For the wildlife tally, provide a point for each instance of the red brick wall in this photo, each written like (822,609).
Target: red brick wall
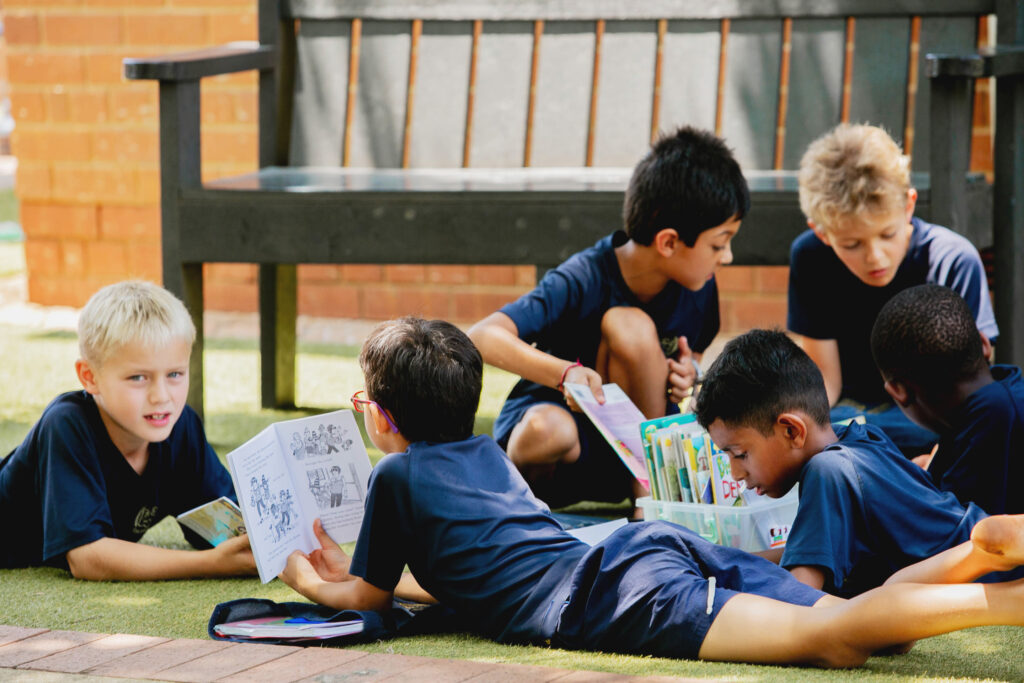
(88,178)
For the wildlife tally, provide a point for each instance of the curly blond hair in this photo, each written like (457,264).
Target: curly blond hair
(850,170)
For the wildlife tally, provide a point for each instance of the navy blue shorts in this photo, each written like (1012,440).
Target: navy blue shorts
(644,590)
(598,474)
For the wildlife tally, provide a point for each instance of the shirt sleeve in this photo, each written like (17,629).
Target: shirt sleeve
(200,476)
(73,491)
(551,301)
(823,532)
(210,478)
(959,267)
(808,312)
(378,557)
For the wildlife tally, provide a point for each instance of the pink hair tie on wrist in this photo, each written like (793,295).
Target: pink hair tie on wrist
(561,382)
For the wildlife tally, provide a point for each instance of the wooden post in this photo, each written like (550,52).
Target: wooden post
(180,168)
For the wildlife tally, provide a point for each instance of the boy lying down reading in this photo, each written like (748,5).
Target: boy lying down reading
(453,508)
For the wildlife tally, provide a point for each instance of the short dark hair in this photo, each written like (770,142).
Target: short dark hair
(927,335)
(428,374)
(688,181)
(757,377)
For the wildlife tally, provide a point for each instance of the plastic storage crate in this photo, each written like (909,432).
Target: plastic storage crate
(762,526)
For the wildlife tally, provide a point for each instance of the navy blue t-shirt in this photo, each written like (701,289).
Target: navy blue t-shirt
(866,511)
(463,519)
(474,536)
(562,315)
(67,484)
(827,301)
(981,458)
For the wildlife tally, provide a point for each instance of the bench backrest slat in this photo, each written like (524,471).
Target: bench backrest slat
(534,99)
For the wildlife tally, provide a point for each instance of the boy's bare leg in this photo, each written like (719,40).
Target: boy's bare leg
(1001,536)
(846,634)
(630,355)
(997,544)
(544,437)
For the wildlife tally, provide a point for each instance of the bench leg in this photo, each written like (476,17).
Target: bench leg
(192,295)
(951,152)
(1008,226)
(278,291)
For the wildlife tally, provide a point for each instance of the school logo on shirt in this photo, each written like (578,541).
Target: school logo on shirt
(144,519)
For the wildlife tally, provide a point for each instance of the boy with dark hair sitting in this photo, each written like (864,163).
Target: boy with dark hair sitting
(865,510)
(934,363)
(452,507)
(607,313)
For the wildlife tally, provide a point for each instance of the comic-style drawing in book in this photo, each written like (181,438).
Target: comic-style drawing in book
(617,420)
(293,472)
(216,521)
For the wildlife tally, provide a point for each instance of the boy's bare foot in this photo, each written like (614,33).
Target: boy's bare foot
(1003,536)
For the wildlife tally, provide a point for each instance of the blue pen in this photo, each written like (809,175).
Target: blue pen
(303,620)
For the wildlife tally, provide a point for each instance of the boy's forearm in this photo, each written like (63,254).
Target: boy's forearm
(355,594)
(812,576)
(111,559)
(497,339)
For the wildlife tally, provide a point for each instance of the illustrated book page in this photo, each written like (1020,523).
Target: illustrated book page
(293,472)
(618,420)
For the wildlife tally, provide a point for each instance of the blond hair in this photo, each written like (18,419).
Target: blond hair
(850,170)
(129,312)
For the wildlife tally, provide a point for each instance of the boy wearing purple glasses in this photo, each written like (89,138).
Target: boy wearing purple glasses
(454,509)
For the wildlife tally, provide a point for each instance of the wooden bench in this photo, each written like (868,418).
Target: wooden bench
(503,132)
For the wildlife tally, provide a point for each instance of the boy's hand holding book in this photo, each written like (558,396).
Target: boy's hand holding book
(326,564)
(234,556)
(577,373)
(329,560)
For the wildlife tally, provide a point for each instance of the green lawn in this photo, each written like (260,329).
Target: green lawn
(12,258)
(38,365)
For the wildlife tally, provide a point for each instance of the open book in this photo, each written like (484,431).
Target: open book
(216,521)
(293,472)
(617,420)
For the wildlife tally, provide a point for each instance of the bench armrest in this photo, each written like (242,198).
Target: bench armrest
(1001,60)
(196,64)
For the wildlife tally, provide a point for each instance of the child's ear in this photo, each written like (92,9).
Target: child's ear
(793,428)
(380,423)
(665,241)
(87,376)
(911,203)
(899,391)
(986,346)
(819,232)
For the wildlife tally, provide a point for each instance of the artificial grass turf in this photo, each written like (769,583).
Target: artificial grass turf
(39,365)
